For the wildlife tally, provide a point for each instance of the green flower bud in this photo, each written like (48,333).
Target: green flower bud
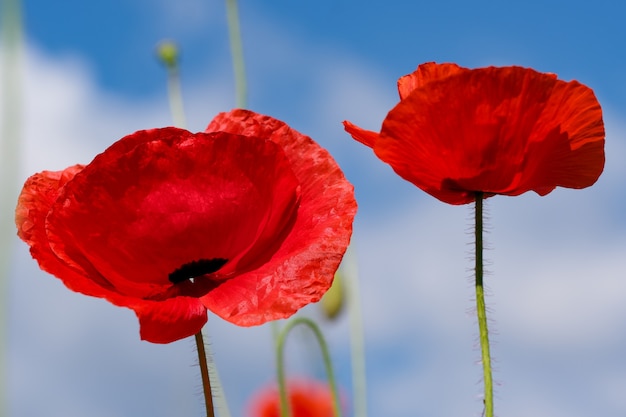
(332,303)
(167,53)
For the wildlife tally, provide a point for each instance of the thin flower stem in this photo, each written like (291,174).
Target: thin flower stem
(176,97)
(10,132)
(219,396)
(481,309)
(275,327)
(236,49)
(167,52)
(357,339)
(204,371)
(285,409)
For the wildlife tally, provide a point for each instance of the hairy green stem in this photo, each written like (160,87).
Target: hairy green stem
(285,409)
(219,396)
(204,372)
(481,309)
(236,49)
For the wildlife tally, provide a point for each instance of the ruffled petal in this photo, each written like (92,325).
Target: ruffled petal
(424,74)
(38,195)
(177,198)
(568,140)
(170,320)
(303,267)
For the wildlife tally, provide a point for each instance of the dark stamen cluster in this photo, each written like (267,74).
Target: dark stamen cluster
(196,268)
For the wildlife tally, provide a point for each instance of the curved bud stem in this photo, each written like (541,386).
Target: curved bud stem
(285,409)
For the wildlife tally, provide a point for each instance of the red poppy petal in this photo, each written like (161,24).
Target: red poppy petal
(302,269)
(171,200)
(366,137)
(424,74)
(170,320)
(495,130)
(38,195)
(571,153)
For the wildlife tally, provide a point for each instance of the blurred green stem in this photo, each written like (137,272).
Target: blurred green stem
(9,163)
(236,49)
(167,52)
(285,409)
(219,396)
(481,309)
(176,97)
(357,339)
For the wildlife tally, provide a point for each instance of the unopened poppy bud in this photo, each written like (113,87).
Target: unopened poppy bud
(333,301)
(167,53)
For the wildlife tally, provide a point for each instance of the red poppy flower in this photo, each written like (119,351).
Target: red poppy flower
(493,130)
(307,398)
(249,220)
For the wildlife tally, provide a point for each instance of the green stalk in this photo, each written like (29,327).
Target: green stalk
(176,98)
(481,309)
(9,163)
(357,338)
(285,409)
(219,396)
(167,53)
(236,49)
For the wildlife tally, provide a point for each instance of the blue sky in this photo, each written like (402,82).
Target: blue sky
(570,38)
(557,282)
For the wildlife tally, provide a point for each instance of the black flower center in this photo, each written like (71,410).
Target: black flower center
(197,268)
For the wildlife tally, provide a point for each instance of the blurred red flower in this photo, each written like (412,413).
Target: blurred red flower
(249,219)
(307,398)
(494,130)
